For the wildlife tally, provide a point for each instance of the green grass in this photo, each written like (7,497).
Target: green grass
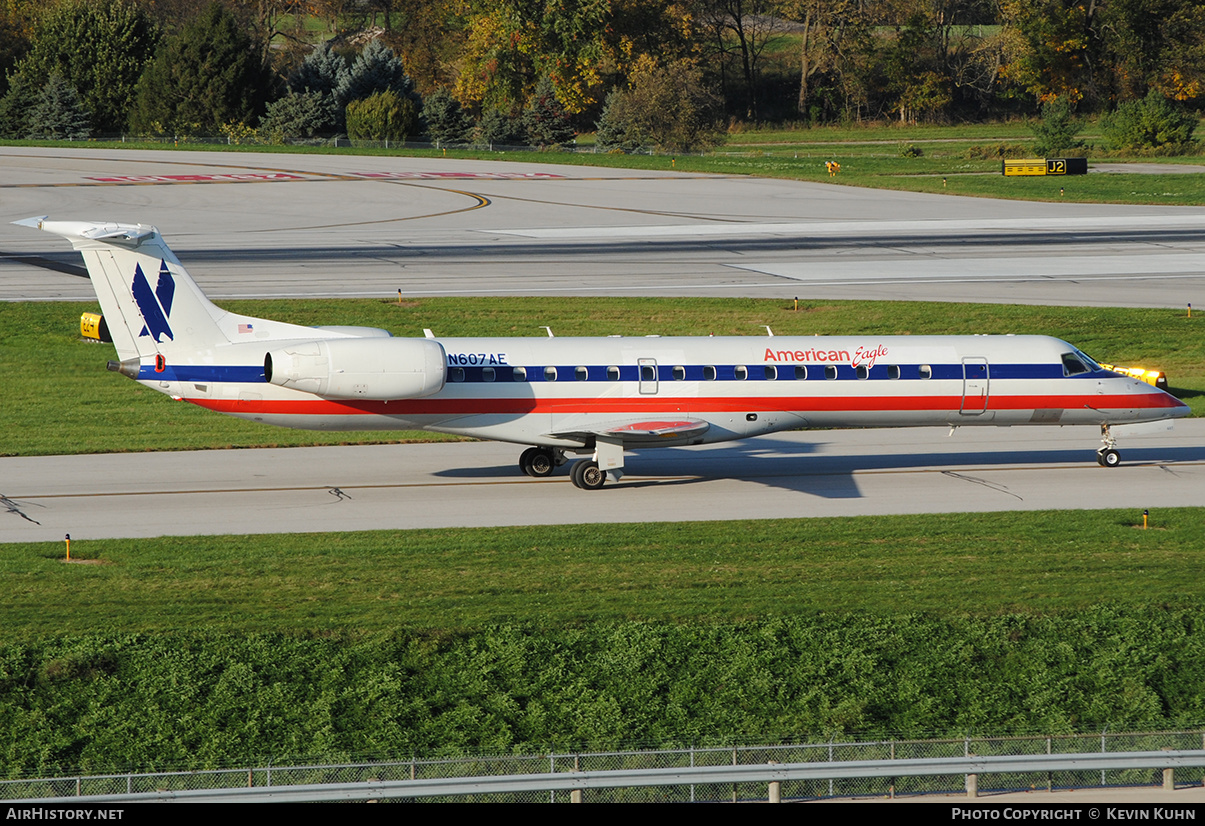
(714,572)
(51,375)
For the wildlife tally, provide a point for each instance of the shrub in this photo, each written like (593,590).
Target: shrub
(910,150)
(996,151)
(1150,123)
(1055,132)
(380,117)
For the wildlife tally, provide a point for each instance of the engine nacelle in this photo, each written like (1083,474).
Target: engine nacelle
(360,368)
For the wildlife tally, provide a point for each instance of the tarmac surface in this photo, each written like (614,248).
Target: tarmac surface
(320,225)
(466,484)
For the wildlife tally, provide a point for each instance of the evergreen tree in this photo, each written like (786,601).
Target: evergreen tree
(317,84)
(377,69)
(300,115)
(209,75)
(616,130)
(446,121)
(500,128)
(1057,129)
(99,48)
(545,120)
(323,70)
(58,114)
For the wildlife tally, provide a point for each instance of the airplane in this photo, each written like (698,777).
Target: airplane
(594,397)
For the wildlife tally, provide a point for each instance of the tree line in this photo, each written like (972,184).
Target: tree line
(664,73)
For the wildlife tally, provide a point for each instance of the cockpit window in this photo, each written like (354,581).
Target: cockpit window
(1088,361)
(1072,366)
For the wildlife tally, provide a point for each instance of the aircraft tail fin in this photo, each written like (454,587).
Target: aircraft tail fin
(149,301)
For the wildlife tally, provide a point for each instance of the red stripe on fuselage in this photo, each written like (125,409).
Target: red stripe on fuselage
(721,404)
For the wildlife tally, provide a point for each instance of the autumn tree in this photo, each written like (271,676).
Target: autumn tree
(667,107)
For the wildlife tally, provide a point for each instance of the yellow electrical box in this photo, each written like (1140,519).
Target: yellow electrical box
(93,326)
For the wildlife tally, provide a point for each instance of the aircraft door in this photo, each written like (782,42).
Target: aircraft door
(974,386)
(648,376)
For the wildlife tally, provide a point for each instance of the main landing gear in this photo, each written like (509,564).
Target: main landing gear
(541,461)
(606,465)
(587,475)
(1107,456)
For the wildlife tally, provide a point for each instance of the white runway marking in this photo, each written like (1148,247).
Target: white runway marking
(1085,267)
(828,228)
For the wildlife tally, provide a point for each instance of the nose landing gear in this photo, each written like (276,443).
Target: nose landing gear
(1107,456)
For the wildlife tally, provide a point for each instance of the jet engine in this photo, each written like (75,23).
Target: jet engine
(360,368)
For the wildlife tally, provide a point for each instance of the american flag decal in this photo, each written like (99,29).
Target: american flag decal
(245,328)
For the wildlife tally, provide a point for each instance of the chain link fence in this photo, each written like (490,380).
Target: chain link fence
(829,752)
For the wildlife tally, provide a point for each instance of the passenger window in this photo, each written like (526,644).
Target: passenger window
(581,373)
(771,372)
(709,373)
(893,371)
(741,372)
(679,373)
(549,374)
(648,372)
(456,374)
(487,373)
(519,374)
(801,372)
(612,373)
(830,372)
(863,371)
(925,371)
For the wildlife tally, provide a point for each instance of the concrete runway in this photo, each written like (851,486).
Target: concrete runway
(821,473)
(296,225)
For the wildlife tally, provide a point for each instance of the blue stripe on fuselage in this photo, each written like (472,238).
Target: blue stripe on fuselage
(254,374)
(204,373)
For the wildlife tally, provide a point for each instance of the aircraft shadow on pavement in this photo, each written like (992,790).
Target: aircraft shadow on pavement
(806,467)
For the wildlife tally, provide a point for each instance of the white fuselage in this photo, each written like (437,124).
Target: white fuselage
(558,391)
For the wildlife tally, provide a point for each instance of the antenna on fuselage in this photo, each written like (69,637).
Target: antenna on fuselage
(769,332)
(549,329)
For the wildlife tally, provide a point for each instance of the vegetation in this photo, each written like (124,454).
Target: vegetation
(751,62)
(97,50)
(381,116)
(461,579)
(208,76)
(1150,124)
(208,651)
(1055,133)
(95,411)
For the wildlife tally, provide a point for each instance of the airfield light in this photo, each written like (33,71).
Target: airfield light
(68,540)
(1145,514)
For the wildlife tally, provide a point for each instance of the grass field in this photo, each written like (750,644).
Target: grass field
(715,572)
(94,411)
